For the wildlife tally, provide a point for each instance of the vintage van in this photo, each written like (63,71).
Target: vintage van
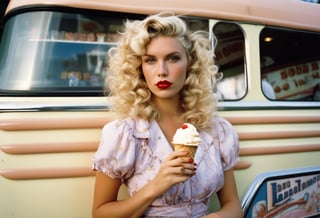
(52,103)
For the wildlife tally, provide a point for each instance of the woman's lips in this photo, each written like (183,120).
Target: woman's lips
(164,84)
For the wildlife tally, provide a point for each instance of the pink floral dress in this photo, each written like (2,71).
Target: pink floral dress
(132,150)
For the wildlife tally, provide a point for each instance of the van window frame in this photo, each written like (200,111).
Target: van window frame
(233,48)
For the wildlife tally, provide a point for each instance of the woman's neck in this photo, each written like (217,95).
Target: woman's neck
(170,116)
(168,108)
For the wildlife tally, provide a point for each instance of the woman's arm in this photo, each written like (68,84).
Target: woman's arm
(228,197)
(105,203)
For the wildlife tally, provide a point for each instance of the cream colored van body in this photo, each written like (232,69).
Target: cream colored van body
(47,142)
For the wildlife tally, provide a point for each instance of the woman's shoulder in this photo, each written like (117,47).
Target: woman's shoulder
(220,124)
(220,120)
(136,127)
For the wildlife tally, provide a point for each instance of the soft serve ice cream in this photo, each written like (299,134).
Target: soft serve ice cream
(186,138)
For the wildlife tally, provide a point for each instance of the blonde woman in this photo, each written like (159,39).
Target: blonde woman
(161,76)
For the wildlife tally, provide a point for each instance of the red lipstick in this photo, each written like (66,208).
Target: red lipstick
(163,84)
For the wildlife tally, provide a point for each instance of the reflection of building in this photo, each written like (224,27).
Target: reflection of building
(232,87)
(91,61)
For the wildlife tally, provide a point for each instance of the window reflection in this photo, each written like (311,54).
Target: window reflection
(230,60)
(57,53)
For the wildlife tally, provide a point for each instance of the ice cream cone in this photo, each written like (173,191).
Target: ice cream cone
(191,149)
(186,138)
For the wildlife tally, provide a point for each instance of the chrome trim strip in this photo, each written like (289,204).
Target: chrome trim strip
(36,106)
(15,106)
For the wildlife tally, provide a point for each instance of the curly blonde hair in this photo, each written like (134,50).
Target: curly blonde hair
(128,91)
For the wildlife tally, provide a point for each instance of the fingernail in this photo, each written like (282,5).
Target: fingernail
(195,168)
(191,160)
(195,164)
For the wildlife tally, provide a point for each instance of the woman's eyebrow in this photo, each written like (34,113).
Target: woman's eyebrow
(148,55)
(169,54)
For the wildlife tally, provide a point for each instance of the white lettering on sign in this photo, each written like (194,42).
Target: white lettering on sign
(296,80)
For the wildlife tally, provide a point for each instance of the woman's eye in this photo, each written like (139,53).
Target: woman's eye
(149,60)
(174,58)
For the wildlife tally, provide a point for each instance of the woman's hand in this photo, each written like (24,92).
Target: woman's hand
(177,168)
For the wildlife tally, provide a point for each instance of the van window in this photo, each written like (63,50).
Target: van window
(290,64)
(230,59)
(56,53)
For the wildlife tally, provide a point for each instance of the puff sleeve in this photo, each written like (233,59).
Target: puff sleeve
(115,155)
(228,143)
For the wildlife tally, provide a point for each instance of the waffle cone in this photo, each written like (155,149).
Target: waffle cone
(181,147)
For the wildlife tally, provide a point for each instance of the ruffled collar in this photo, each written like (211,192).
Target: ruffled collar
(159,144)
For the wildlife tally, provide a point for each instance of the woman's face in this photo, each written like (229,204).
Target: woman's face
(164,66)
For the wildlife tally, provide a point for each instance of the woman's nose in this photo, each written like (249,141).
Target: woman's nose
(162,69)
